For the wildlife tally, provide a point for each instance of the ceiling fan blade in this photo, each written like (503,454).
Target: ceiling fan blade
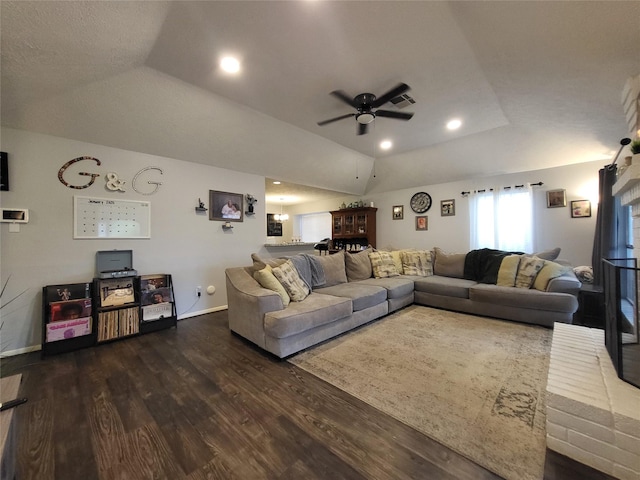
(341,117)
(391,114)
(362,128)
(344,97)
(394,92)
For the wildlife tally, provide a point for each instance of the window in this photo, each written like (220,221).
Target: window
(502,220)
(314,226)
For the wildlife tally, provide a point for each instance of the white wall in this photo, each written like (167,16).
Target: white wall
(184,244)
(554,226)
(195,250)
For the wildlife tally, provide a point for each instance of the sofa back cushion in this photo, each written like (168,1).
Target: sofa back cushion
(550,254)
(334,269)
(288,276)
(448,264)
(417,262)
(382,264)
(358,265)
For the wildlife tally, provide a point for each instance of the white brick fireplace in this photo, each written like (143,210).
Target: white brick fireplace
(592,415)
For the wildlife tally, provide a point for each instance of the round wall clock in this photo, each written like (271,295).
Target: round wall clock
(421,202)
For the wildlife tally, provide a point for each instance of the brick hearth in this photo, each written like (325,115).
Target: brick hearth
(592,415)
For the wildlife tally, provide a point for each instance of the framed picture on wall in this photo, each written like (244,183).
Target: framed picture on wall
(447,208)
(422,223)
(274,228)
(225,206)
(556,198)
(580,208)
(398,212)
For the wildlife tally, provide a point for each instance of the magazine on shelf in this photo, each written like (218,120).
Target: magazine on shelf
(157,311)
(72,291)
(67,329)
(155,289)
(67,311)
(116,291)
(68,319)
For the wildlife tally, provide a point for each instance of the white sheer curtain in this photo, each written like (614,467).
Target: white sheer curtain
(502,219)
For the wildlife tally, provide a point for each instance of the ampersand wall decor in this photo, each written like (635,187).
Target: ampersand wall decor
(114,183)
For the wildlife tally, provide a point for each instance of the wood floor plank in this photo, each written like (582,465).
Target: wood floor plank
(36,458)
(197,402)
(148,456)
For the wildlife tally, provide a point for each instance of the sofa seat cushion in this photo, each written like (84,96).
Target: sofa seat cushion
(363,296)
(523,298)
(397,287)
(313,311)
(446,286)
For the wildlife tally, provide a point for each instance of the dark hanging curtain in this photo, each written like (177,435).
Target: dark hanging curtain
(605,242)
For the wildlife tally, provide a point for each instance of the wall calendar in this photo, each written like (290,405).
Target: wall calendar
(106,218)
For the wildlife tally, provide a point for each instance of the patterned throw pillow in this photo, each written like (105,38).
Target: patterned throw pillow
(397,259)
(383,265)
(267,279)
(288,276)
(528,271)
(417,262)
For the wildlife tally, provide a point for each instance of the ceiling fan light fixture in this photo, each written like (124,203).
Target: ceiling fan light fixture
(365,118)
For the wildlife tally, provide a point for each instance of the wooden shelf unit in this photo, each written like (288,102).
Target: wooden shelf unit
(112,309)
(353,227)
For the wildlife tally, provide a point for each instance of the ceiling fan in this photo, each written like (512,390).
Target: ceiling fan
(365,103)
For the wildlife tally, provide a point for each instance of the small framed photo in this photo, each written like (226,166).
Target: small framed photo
(580,208)
(422,222)
(447,208)
(225,206)
(556,198)
(398,212)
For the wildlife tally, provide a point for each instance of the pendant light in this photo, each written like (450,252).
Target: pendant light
(281,217)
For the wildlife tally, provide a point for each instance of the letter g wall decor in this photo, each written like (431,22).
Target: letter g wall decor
(113,183)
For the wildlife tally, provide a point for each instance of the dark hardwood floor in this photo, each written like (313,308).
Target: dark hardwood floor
(197,402)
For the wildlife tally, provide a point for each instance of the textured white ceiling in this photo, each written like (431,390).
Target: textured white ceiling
(537,84)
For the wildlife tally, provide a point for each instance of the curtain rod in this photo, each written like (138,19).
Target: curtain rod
(537,184)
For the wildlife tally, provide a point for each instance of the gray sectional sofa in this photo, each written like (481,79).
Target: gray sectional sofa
(351,296)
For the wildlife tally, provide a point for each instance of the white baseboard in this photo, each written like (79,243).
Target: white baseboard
(35,348)
(202,312)
(20,351)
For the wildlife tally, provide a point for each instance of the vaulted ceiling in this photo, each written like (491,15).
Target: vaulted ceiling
(536,84)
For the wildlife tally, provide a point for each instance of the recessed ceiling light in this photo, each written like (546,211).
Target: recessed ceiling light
(276,183)
(230,65)
(454,124)
(386,144)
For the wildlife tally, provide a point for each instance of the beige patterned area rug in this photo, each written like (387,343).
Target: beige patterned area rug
(474,384)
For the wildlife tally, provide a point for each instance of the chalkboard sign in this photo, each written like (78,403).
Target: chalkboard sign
(274,228)
(110,218)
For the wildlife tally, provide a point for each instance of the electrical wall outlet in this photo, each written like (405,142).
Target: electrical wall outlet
(198,291)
